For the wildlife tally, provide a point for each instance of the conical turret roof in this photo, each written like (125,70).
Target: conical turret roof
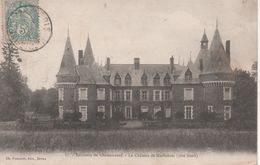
(68,63)
(218,60)
(204,37)
(88,54)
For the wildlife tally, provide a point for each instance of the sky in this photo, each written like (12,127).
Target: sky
(152,30)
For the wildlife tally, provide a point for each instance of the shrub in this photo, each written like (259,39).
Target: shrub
(179,115)
(207,116)
(145,116)
(159,115)
(70,117)
(117,116)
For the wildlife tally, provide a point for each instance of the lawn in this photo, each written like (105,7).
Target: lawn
(164,139)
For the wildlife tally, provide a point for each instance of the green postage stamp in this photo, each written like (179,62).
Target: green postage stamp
(26,25)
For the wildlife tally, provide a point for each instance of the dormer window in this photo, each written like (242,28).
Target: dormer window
(144,79)
(156,80)
(128,80)
(188,75)
(167,80)
(117,79)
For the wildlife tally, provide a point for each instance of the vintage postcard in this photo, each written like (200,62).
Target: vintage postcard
(128,82)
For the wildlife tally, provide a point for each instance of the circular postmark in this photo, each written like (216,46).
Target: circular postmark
(29,28)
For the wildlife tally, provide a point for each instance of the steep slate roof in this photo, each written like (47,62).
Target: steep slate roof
(88,58)
(90,75)
(195,75)
(194,67)
(149,69)
(204,37)
(218,60)
(214,59)
(68,63)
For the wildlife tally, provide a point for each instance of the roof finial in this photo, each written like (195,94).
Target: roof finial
(179,60)
(217,23)
(68,35)
(190,56)
(204,30)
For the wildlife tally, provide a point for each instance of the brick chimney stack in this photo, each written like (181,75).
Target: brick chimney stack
(172,64)
(228,50)
(108,63)
(80,57)
(137,63)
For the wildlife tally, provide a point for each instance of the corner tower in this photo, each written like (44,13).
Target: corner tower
(67,78)
(218,79)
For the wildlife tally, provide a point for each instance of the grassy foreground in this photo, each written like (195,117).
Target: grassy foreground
(166,139)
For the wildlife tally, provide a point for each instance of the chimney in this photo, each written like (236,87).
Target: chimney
(137,63)
(108,63)
(201,65)
(80,59)
(228,50)
(172,64)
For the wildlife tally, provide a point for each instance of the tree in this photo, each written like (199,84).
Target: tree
(50,102)
(14,92)
(245,103)
(36,101)
(45,101)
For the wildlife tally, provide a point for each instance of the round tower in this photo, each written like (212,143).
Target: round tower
(218,79)
(67,78)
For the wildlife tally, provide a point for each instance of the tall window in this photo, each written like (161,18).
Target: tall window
(61,112)
(144,79)
(110,94)
(227,112)
(61,94)
(117,79)
(156,80)
(101,111)
(156,109)
(167,80)
(167,112)
(84,112)
(110,112)
(144,95)
(101,93)
(210,108)
(128,80)
(128,95)
(167,95)
(83,93)
(156,95)
(117,95)
(128,112)
(188,75)
(227,95)
(188,93)
(188,114)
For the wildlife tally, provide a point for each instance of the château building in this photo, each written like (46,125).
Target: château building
(137,89)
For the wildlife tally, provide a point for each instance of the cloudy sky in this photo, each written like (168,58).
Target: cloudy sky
(150,29)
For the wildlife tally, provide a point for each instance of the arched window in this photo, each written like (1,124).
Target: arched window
(117,79)
(144,79)
(188,75)
(156,80)
(128,80)
(167,79)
